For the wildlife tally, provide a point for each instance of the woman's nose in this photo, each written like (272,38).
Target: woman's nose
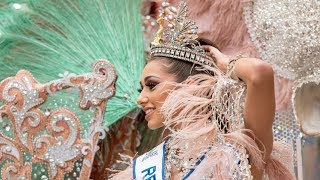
(142,100)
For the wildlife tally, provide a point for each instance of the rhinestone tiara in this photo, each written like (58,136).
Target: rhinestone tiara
(177,37)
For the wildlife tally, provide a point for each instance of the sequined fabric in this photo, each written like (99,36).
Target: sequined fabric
(286,34)
(286,129)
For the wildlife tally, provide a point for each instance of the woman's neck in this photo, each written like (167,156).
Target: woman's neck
(165,134)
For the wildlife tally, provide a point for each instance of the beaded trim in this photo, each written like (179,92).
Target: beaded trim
(182,54)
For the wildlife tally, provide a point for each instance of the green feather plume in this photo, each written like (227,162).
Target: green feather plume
(50,37)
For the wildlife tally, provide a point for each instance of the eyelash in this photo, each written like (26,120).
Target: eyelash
(150,85)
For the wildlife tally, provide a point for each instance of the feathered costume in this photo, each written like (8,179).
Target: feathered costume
(210,141)
(284,33)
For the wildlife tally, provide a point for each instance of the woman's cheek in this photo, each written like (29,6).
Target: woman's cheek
(157,121)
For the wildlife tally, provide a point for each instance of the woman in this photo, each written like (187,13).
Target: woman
(159,74)
(186,87)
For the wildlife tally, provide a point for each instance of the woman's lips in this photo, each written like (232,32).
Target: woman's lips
(148,112)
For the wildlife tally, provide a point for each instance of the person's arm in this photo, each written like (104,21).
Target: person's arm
(260,99)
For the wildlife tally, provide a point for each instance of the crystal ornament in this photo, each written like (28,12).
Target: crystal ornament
(286,34)
(51,136)
(177,37)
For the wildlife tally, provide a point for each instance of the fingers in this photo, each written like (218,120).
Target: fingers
(208,50)
(207,47)
(221,59)
(212,51)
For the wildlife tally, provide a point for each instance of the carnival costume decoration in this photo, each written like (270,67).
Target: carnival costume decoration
(274,28)
(63,38)
(287,35)
(49,38)
(210,142)
(48,138)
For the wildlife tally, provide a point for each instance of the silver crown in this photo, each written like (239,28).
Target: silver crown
(176,37)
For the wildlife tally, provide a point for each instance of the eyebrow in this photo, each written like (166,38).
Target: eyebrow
(147,78)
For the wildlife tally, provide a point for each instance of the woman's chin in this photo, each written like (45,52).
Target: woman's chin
(154,125)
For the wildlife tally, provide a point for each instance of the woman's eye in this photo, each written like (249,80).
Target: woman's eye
(140,90)
(151,85)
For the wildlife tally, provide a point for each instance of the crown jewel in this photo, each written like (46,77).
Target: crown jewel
(177,36)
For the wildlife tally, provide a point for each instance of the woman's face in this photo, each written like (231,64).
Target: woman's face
(154,91)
